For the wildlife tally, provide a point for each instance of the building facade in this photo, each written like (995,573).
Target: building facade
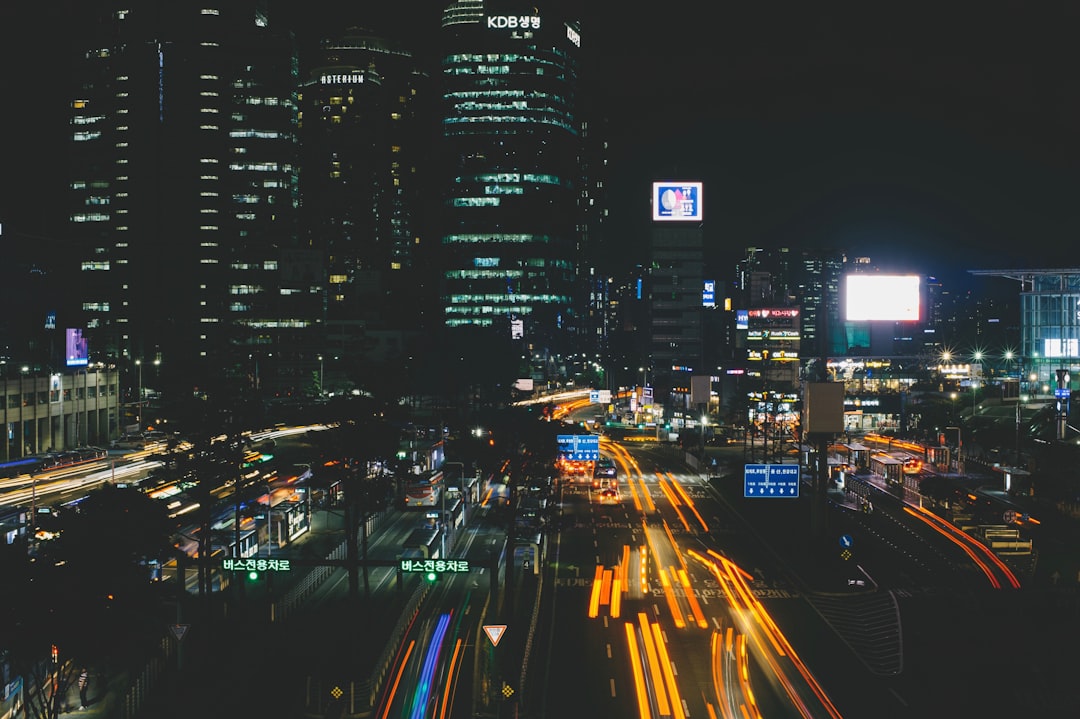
(365,128)
(59,411)
(184,192)
(510,151)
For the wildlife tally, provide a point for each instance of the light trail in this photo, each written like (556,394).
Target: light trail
(732,576)
(422,693)
(969,545)
(687,500)
(397,680)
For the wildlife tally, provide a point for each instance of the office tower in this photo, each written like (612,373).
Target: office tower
(675,286)
(510,135)
(818,292)
(595,317)
(183,195)
(364,127)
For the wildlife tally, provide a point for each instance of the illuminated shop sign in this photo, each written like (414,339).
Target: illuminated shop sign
(857,402)
(514,22)
(775,312)
(708,295)
(742,319)
(356,78)
(772,335)
(772,355)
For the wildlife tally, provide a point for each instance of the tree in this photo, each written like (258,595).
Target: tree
(88,593)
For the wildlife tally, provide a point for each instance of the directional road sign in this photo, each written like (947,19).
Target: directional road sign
(579,447)
(771,480)
(845,540)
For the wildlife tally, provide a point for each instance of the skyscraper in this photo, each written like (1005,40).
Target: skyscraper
(511,149)
(676,283)
(183,193)
(365,126)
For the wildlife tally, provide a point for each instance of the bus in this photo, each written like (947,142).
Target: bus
(424,490)
(422,543)
(605,474)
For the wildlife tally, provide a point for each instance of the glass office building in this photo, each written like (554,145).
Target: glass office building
(510,134)
(1049,325)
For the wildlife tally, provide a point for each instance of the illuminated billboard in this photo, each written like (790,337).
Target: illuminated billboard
(676,202)
(78,348)
(881,297)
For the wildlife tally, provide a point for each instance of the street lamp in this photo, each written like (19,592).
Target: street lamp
(322,391)
(1019,416)
(139,364)
(138,397)
(704,424)
(952,395)
(269,518)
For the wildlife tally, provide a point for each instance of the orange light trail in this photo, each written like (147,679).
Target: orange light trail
(654,668)
(639,675)
(397,680)
(969,546)
(451,682)
(687,500)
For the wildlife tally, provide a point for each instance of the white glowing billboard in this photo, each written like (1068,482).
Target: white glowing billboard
(881,297)
(676,201)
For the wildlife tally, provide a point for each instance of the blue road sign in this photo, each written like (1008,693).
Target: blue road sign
(845,540)
(579,447)
(771,480)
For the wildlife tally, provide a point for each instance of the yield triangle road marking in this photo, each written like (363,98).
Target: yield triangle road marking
(494,632)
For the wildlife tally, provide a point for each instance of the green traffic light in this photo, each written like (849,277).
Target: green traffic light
(253,575)
(431,576)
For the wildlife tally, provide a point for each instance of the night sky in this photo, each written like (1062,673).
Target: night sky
(935,137)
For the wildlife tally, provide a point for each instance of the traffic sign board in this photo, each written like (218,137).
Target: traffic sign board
(845,540)
(579,447)
(1009,516)
(179,630)
(494,633)
(771,480)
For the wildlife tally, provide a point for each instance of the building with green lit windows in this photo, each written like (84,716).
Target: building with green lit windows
(511,172)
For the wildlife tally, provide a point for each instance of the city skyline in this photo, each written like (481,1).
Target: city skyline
(810,128)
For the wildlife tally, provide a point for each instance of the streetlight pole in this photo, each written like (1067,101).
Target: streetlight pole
(1019,414)
(138,398)
(269,519)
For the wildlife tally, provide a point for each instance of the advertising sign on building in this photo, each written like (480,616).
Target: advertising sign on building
(708,295)
(676,202)
(875,297)
(77,348)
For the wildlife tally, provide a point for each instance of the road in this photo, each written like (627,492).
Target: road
(653,614)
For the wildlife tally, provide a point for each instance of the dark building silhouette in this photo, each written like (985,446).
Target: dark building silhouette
(184,195)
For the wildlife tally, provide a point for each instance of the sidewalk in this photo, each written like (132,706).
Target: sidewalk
(103,698)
